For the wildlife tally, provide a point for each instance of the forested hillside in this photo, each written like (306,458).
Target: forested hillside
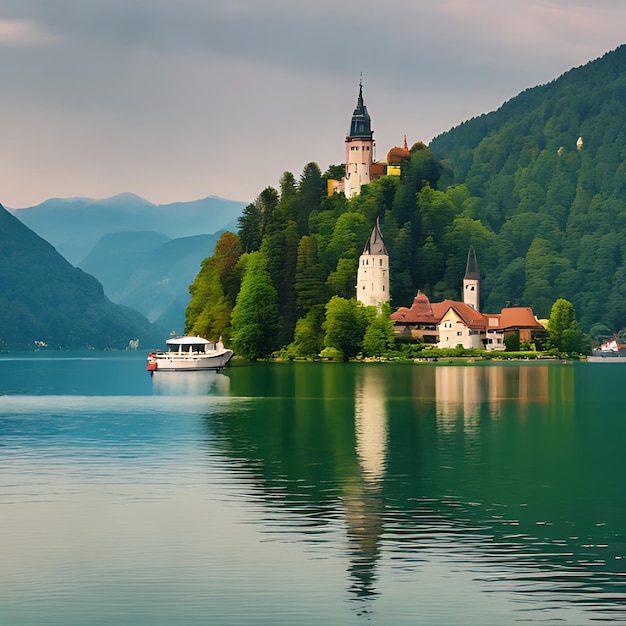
(544,211)
(548,170)
(44,301)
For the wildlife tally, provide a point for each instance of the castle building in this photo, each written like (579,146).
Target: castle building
(361,168)
(359,149)
(372,283)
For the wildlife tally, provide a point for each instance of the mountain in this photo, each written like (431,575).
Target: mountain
(149,272)
(548,174)
(74,226)
(46,301)
(116,256)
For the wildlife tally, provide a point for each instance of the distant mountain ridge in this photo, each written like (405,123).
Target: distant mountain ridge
(118,240)
(149,272)
(45,302)
(74,225)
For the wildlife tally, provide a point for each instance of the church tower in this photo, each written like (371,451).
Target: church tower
(359,149)
(372,281)
(471,281)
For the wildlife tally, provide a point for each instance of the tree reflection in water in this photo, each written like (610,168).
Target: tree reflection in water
(482,466)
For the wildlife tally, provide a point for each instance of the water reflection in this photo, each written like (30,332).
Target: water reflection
(370,423)
(274,493)
(363,502)
(190,383)
(463,465)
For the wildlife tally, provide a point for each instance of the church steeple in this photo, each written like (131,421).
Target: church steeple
(359,149)
(375,244)
(361,124)
(471,281)
(372,280)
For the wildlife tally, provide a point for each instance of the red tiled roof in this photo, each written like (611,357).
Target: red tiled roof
(471,317)
(518,317)
(423,311)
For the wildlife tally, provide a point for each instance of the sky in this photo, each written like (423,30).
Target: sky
(176,100)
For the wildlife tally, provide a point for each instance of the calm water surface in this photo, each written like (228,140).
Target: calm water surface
(310,493)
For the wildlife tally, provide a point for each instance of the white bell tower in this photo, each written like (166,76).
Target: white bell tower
(471,281)
(372,283)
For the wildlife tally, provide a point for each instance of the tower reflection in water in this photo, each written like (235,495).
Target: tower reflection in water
(363,503)
(394,455)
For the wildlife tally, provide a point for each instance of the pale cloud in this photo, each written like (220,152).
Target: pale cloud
(19,32)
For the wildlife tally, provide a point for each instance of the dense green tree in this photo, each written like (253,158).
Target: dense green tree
(344,326)
(214,290)
(512,342)
(378,338)
(348,238)
(255,318)
(562,317)
(335,172)
(249,225)
(310,276)
(311,190)
(280,248)
(342,281)
(256,218)
(564,334)
(308,339)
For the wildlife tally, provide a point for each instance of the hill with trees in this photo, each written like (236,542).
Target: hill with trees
(548,174)
(44,301)
(128,244)
(537,187)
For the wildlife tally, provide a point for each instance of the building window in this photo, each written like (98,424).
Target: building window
(383,287)
(380,262)
(459,333)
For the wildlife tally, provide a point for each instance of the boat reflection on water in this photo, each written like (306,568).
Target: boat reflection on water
(198,383)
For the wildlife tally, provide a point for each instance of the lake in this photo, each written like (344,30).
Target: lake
(310,493)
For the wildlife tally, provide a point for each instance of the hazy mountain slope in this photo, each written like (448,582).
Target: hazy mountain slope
(44,299)
(161,282)
(117,255)
(74,226)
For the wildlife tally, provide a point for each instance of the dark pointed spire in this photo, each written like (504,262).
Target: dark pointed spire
(360,125)
(375,243)
(471,269)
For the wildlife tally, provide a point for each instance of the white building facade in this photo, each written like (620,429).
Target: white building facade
(372,284)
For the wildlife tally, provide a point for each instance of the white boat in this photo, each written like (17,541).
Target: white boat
(189,354)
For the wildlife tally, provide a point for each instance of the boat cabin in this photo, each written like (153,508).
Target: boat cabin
(190,345)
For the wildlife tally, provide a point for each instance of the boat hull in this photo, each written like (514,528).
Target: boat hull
(173,362)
